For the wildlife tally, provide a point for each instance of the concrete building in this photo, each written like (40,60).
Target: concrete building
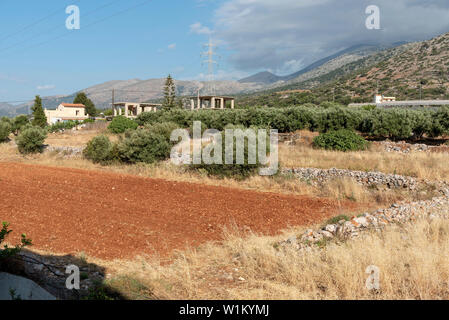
(391,102)
(133,109)
(66,112)
(211,102)
(378,98)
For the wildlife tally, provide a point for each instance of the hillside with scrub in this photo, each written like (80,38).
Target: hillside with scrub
(412,71)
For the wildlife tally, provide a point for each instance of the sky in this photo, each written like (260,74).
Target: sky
(144,39)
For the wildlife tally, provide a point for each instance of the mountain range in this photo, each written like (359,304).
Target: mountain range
(354,73)
(324,65)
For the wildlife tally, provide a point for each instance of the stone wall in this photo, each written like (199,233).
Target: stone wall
(397,213)
(319,176)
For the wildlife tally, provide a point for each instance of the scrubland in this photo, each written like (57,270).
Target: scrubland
(413,258)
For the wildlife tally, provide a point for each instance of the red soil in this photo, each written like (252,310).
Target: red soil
(108,215)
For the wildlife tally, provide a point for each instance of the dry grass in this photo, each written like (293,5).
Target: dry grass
(413,262)
(413,259)
(425,165)
(76,138)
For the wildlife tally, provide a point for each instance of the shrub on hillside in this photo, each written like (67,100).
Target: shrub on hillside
(143,146)
(5,130)
(31,139)
(341,140)
(99,149)
(120,124)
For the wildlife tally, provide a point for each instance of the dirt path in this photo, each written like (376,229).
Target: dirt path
(109,215)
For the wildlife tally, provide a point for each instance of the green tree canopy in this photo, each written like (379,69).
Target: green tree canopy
(81,98)
(19,122)
(40,120)
(169,94)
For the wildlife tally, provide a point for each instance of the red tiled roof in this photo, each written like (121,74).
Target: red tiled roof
(72,105)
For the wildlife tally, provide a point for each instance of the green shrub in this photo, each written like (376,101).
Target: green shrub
(234,170)
(7,252)
(390,123)
(58,126)
(5,130)
(341,140)
(337,219)
(165,129)
(19,122)
(120,124)
(143,146)
(395,123)
(99,149)
(31,139)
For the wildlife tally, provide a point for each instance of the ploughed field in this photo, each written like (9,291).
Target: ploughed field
(109,215)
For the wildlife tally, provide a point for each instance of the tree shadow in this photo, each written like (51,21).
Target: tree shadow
(49,272)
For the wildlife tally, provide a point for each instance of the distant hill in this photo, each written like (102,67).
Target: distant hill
(409,71)
(420,69)
(319,67)
(137,90)
(351,75)
(9,110)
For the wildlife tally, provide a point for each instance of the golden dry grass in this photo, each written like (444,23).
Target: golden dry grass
(424,165)
(413,262)
(413,259)
(75,138)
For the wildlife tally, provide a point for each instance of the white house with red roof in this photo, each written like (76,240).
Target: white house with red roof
(66,112)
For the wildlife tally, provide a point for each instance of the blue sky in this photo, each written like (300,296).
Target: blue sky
(161,37)
(149,41)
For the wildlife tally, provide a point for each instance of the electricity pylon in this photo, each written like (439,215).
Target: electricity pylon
(209,54)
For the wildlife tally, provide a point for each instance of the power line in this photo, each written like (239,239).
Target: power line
(88,25)
(35,23)
(57,27)
(95,92)
(210,53)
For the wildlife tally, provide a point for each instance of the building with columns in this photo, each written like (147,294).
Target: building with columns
(211,102)
(133,109)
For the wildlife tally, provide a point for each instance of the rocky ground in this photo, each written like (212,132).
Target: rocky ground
(348,228)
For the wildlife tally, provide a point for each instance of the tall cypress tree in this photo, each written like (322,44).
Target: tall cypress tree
(82,98)
(40,119)
(169,94)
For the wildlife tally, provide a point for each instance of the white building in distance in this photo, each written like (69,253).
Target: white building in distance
(66,112)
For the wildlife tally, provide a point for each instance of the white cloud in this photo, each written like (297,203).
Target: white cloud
(198,28)
(222,75)
(285,34)
(172,46)
(46,87)
(290,67)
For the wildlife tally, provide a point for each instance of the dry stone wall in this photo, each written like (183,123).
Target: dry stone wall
(319,176)
(437,207)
